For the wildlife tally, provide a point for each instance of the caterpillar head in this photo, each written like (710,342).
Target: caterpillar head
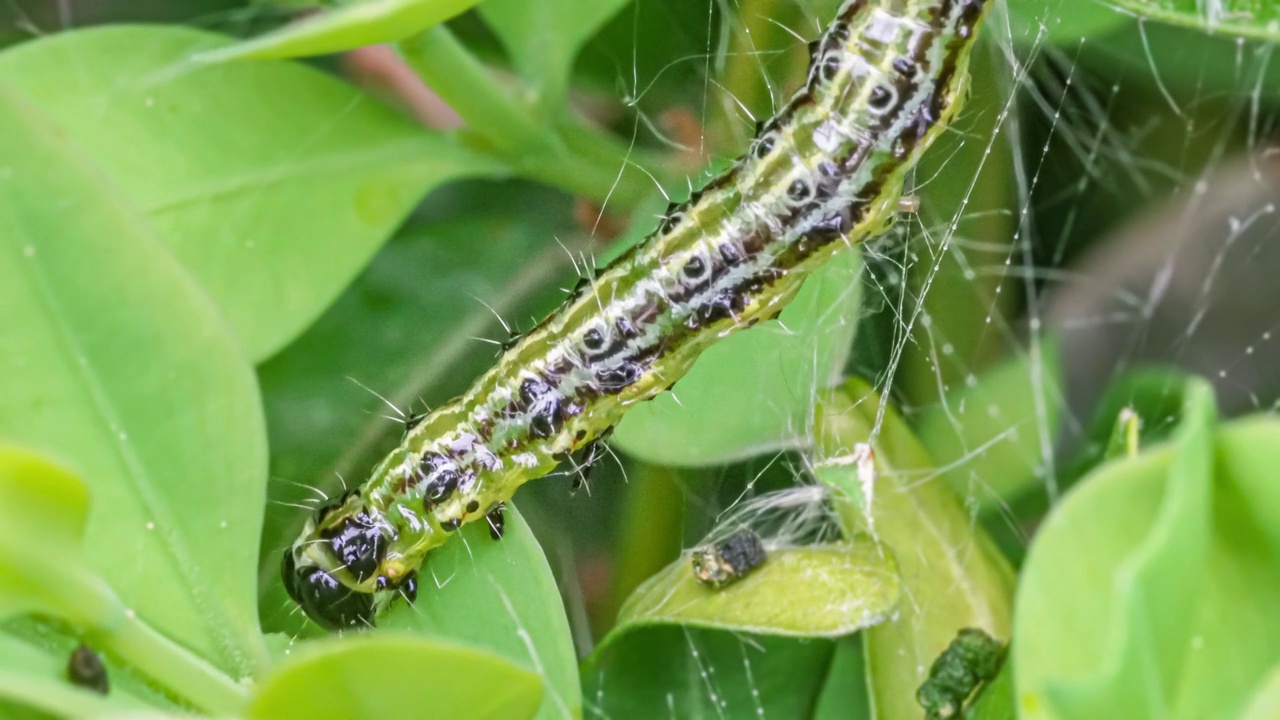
(334,570)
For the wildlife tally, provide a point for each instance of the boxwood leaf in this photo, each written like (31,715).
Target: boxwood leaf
(386,676)
(273,183)
(116,363)
(344,28)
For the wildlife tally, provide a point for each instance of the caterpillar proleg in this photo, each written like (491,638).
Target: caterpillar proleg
(825,173)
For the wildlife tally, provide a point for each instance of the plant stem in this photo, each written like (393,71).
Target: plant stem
(118,631)
(449,69)
(571,155)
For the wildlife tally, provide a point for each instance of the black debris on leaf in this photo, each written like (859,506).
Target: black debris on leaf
(721,564)
(86,670)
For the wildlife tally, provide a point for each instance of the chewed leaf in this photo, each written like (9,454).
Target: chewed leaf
(390,676)
(345,28)
(807,591)
(753,392)
(43,509)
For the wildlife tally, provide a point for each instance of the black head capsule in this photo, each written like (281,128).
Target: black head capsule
(358,545)
(328,602)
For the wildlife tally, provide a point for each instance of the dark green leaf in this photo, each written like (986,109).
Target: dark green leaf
(1247,18)
(671,671)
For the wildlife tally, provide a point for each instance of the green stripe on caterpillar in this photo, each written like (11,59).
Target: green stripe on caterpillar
(825,173)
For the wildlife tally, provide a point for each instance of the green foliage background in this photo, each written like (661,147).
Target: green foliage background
(203,240)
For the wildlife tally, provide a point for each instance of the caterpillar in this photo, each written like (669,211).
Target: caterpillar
(824,173)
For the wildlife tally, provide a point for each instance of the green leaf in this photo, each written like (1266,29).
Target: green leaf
(114,361)
(1062,22)
(845,694)
(499,595)
(995,701)
(1265,704)
(366,22)
(994,438)
(41,506)
(1157,572)
(668,671)
(59,699)
(388,676)
(952,574)
(808,591)
(1258,19)
(543,39)
(753,392)
(273,183)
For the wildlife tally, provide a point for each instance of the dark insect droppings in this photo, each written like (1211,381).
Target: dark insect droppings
(85,669)
(724,563)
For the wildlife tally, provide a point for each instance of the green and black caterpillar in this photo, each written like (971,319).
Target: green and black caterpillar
(823,174)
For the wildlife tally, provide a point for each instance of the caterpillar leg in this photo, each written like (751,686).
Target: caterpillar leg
(587,459)
(497,522)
